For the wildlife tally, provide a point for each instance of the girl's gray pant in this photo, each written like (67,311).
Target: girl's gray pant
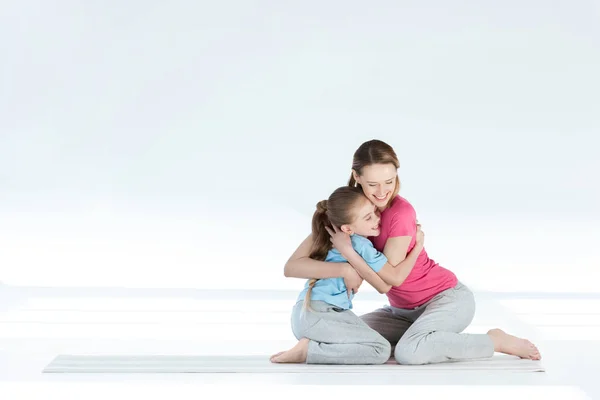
(337,336)
(431,333)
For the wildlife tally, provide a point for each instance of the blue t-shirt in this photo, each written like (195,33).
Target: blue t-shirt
(333,290)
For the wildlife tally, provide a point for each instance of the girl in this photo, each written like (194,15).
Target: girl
(429,306)
(328,332)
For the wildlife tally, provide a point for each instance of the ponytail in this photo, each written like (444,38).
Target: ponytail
(311,285)
(321,242)
(321,239)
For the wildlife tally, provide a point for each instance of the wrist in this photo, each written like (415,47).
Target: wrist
(347,252)
(346,269)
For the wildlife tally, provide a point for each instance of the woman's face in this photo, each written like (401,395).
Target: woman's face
(378,182)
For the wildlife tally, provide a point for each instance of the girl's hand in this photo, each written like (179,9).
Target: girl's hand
(341,240)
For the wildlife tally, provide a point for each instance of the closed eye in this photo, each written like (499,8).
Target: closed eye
(387,183)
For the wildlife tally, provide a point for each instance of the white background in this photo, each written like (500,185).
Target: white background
(155,144)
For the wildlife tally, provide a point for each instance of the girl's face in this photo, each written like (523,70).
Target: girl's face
(366,220)
(378,182)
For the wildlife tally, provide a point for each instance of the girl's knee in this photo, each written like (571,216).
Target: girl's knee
(384,351)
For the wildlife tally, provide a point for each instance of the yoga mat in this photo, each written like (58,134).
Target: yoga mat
(261,364)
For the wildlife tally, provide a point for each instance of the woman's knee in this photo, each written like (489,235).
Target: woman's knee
(410,353)
(466,308)
(408,356)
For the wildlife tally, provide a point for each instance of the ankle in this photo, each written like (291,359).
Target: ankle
(495,336)
(304,342)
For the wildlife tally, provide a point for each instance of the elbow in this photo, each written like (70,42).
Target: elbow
(395,282)
(384,289)
(398,283)
(293,268)
(286,270)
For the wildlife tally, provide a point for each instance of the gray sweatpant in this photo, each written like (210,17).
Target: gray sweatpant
(337,336)
(431,333)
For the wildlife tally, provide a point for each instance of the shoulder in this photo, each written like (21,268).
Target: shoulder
(333,255)
(360,242)
(400,207)
(364,247)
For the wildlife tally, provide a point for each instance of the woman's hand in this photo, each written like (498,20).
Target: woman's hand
(352,280)
(420,237)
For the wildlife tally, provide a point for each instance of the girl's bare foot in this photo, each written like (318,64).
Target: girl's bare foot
(509,344)
(295,355)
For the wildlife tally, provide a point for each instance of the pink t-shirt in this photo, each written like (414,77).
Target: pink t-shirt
(427,278)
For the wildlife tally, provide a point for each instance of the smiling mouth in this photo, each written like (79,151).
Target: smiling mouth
(381,198)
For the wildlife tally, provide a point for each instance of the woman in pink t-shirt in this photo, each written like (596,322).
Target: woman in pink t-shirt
(429,307)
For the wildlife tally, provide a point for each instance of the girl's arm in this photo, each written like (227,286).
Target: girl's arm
(399,264)
(300,265)
(389,275)
(343,243)
(366,272)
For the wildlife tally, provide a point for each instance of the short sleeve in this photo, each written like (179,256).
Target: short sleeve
(402,224)
(375,259)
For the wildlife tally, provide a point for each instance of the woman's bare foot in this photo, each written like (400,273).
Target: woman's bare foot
(295,355)
(276,355)
(509,344)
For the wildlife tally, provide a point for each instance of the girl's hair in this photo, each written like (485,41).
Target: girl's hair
(374,152)
(338,210)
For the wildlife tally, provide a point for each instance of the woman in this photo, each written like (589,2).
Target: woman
(429,307)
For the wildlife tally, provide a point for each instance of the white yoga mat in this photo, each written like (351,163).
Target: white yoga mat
(261,364)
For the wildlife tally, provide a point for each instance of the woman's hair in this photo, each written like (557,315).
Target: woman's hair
(338,210)
(374,152)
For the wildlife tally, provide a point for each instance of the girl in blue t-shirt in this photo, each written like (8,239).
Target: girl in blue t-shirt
(327,331)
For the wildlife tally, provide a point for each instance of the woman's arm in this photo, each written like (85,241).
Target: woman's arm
(399,263)
(300,265)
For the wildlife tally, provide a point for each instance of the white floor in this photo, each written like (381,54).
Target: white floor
(36,324)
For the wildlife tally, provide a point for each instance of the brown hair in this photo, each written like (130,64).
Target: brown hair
(374,152)
(337,210)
